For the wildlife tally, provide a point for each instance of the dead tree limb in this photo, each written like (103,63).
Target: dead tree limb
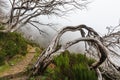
(89,36)
(55,48)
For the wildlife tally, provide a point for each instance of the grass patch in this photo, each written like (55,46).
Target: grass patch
(3,68)
(13,61)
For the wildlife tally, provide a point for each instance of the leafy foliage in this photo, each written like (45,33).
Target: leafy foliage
(10,45)
(72,67)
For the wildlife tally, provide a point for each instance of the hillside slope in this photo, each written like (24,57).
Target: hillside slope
(15,54)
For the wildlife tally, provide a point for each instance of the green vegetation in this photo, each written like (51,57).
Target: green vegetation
(10,45)
(69,66)
(13,61)
(73,67)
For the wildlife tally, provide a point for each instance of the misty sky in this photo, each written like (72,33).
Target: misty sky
(98,15)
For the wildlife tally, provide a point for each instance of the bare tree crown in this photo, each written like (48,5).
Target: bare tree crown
(25,11)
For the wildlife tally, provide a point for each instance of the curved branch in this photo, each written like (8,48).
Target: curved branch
(46,57)
(102,49)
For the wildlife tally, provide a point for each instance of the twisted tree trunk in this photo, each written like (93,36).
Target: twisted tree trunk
(55,48)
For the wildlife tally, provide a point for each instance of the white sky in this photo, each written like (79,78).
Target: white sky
(98,15)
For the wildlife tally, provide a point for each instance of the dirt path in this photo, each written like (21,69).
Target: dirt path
(20,66)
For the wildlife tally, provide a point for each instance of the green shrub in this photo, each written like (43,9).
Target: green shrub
(72,67)
(10,45)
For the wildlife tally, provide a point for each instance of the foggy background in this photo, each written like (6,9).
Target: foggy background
(98,14)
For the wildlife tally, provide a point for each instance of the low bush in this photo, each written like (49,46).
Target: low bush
(72,67)
(10,45)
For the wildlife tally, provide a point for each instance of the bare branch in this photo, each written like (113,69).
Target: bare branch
(54,48)
(23,11)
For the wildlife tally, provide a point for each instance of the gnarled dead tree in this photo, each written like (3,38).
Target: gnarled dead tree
(89,36)
(25,11)
(111,68)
